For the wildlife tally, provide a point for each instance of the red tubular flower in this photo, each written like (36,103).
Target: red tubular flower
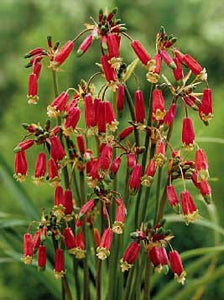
(177,266)
(130,256)
(79,250)
(179,55)
(110,117)
(131,160)
(201,165)
(20,166)
(139,106)
(33,52)
(89,111)
(206,191)
(160,154)
(109,72)
(140,51)
(101,117)
(53,172)
(158,105)
(150,171)
(172,196)
(163,256)
(68,203)
(24,145)
(191,101)
(57,150)
(40,169)
(27,248)
(188,134)
(192,64)
(113,46)
(135,178)
(189,209)
(168,59)
(32,89)
(37,69)
(69,238)
(158,60)
(85,45)
(154,69)
(154,256)
(121,212)
(36,240)
(126,132)
(41,257)
(59,266)
(62,54)
(87,207)
(120,97)
(103,251)
(178,72)
(58,196)
(81,143)
(170,115)
(58,105)
(105,157)
(96,237)
(115,167)
(205,109)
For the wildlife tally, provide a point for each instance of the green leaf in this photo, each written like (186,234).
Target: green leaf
(16,189)
(208,139)
(130,69)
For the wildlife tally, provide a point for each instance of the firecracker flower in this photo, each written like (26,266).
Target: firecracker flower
(177,266)
(130,256)
(59,265)
(103,251)
(190,211)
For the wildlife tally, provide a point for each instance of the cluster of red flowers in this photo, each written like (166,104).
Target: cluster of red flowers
(68,149)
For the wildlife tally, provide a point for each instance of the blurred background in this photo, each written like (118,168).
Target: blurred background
(24,25)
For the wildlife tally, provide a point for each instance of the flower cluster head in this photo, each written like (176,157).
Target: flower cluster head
(98,166)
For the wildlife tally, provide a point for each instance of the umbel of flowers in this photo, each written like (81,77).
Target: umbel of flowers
(98,171)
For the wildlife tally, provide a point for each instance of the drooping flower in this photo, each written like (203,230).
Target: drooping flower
(205,109)
(59,265)
(130,256)
(177,266)
(58,105)
(71,121)
(85,45)
(27,248)
(190,211)
(40,169)
(172,196)
(139,107)
(120,97)
(201,165)
(103,251)
(158,105)
(20,166)
(57,150)
(192,64)
(135,178)
(160,154)
(115,167)
(53,172)
(121,212)
(140,51)
(32,89)
(188,134)
(150,171)
(41,257)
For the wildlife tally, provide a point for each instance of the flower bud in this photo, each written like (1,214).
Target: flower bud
(189,209)
(69,238)
(188,134)
(59,207)
(89,111)
(120,97)
(140,51)
(85,45)
(40,169)
(79,250)
(170,115)
(115,167)
(177,266)
(135,178)
(110,116)
(59,267)
(20,166)
(57,150)
(130,256)
(154,256)
(192,64)
(24,145)
(205,109)
(126,132)
(103,251)
(139,107)
(158,105)
(41,257)
(168,59)
(178,72)
(27,248)
(32,89)
(112,45)
(172,196)
(87,207)
(206,191)
(131,160)
(62,55)
(58,105)
(191,101)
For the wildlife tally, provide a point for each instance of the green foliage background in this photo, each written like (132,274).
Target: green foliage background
(24,25)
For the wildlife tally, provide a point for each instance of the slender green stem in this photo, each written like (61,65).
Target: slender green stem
(147,280)
(158,194)
(55,84)
(132,112)
(98,279)
(76,278)
(128,285)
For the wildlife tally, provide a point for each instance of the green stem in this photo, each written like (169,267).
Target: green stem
(132,112)
(157,194)
(128,285)
(55,84)
(147,280)
(98,279)
(76,278)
